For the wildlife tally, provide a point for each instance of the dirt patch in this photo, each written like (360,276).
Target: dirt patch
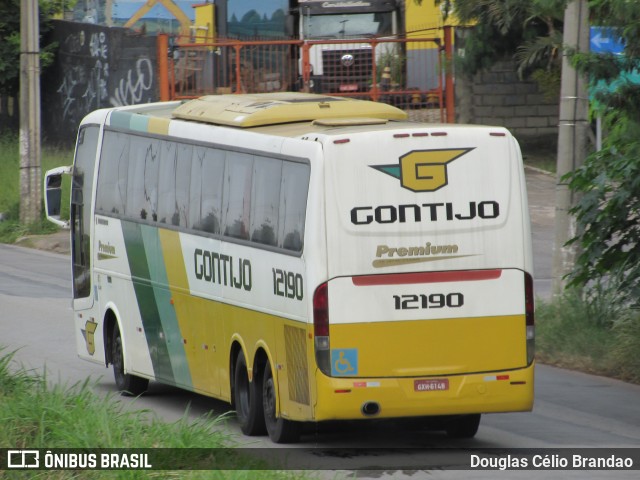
(58,242)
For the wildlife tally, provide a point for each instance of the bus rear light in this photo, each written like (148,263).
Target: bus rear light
(529,317)
(321,328)
(321,311)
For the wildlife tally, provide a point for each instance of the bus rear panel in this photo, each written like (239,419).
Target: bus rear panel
(429,305)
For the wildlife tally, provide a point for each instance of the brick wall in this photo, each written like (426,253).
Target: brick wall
(499,97)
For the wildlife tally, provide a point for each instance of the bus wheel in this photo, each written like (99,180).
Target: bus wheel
(248,399)
(280,430)
(127,384)
(464,426)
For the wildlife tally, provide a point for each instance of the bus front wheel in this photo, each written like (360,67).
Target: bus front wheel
(127,384)
(248,399)
(280,430)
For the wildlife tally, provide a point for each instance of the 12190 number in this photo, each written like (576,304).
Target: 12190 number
(287,284)
(434,300)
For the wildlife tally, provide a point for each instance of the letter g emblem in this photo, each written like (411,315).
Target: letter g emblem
(426,170)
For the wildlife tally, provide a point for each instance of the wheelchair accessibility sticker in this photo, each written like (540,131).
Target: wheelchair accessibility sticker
(344,362)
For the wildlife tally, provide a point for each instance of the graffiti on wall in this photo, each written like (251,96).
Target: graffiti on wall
(84,89)
(132,89)
(98,67)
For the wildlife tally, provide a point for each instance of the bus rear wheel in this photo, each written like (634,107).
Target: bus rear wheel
(464,426)
(280,430)
(127,384)
(248,399)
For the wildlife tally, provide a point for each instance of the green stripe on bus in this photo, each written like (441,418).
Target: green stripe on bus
(139,123)
(130,121)
(168,319)
(156,338)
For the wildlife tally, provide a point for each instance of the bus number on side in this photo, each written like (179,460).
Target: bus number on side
(434,300)
(287,284)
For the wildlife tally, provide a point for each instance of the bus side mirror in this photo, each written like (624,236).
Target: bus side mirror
(53,195)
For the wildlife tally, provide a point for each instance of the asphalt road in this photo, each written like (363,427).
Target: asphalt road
(571,409)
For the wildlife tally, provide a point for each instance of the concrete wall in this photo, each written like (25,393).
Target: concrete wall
(499,97)
(95,67)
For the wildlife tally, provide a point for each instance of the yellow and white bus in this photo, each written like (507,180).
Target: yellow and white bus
(305,258)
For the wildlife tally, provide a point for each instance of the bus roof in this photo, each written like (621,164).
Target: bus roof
(254,110)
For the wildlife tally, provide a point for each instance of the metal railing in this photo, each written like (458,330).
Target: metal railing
(407,73)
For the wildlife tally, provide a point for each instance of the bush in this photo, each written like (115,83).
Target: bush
(593,331)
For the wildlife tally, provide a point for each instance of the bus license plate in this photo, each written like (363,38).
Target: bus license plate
(431,385)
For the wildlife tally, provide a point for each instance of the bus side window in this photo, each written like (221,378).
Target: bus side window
(183,178)
(265,200)
(293,205)
(167,209)
(207,175)
(195,188)
(236,204)
(173,183)
(113,174)
(142,188)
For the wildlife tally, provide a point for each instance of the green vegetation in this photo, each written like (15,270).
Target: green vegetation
(608,184)
(34,415)
(528,30)
(10,45)
(10,228)
(542,155)
(595,333)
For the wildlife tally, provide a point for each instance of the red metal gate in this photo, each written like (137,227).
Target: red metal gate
(407,73)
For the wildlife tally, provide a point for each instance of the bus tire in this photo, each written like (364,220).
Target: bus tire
(127,384)
(464,426)
(280,430)
(248,399)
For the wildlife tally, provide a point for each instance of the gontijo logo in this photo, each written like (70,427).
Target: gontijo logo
(423,170)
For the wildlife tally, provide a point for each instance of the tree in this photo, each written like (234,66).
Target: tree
(608,214)
(528,30)
(10,45)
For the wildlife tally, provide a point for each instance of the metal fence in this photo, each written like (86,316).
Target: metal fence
(407,73)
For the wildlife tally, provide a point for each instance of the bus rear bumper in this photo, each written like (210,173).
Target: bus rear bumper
(358,398)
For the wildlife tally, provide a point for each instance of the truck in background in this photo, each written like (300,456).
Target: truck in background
(339,67)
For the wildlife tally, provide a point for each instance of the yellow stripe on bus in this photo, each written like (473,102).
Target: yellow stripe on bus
(158,125)
(197,335)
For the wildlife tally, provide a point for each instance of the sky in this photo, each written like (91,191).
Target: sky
(124,9)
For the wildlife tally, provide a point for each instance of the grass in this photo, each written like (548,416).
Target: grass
(542,156)
(10,227)
(596,334)
(35,415)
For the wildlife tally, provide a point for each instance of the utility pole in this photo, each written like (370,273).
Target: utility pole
(30,155)
(572,138)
